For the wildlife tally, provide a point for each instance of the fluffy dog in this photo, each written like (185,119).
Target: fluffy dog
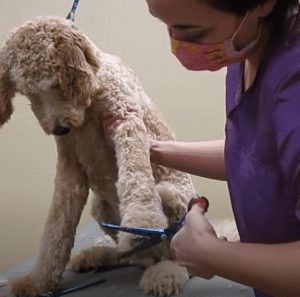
(73,87)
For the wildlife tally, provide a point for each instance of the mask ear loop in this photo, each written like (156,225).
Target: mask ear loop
(237,31)
(241,25)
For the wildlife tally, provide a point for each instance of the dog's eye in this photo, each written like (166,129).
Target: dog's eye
(55,86)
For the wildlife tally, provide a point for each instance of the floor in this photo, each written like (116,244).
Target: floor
(124,281)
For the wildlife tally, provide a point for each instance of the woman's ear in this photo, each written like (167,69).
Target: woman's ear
(7,91)
(266,8)
(75,65)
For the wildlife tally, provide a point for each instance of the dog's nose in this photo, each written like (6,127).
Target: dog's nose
(61,130)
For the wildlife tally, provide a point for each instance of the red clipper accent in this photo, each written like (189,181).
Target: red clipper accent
(201,201)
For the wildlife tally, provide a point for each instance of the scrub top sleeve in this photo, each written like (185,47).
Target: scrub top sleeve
(286,123)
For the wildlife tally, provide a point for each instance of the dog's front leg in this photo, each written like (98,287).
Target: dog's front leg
(140,203)
(70,195)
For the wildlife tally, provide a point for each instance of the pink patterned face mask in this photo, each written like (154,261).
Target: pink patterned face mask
(195,56)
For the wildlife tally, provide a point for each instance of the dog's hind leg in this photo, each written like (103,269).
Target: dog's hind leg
(105,209)
(175,195)
(96,258)
(99,257)
(70,195)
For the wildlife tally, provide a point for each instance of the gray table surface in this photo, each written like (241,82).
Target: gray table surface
(125,281)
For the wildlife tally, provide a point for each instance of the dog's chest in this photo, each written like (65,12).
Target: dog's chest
(95,156)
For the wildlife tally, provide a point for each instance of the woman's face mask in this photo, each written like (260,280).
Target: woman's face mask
(198,56)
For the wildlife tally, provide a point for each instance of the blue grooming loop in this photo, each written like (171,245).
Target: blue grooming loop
(149,236)
(152,236)
(71,15)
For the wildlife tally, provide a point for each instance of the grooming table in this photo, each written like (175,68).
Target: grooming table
(124,282)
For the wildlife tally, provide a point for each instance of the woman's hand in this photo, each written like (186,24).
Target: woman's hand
(155,146)
(193,245)
(110,123)
(109,126)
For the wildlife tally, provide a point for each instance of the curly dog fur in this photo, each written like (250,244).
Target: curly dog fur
(73,87)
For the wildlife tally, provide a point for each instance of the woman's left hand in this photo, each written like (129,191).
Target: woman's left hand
(193,245)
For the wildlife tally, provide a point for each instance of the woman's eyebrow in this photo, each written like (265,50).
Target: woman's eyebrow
(179,26)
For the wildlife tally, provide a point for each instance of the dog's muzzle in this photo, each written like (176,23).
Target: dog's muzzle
(61,130)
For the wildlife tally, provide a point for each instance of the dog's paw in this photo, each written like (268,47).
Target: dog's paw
(164,279)
(28,286)
(94,258)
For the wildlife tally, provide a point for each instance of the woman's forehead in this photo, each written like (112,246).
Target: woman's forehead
(174,8)
(182,13)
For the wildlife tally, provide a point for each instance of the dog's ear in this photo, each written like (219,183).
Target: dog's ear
(74,63)
(7,90)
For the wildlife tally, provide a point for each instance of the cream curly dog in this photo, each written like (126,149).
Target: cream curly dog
(73,87)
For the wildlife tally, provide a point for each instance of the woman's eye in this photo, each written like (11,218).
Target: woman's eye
(196,37)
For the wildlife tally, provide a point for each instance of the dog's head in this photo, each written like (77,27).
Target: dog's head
(54,65)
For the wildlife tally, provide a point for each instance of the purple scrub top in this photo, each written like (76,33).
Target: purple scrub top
(262,147)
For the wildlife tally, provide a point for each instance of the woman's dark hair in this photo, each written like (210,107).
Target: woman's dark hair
(279,16)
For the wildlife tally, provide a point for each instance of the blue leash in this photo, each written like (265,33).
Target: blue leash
(71,15)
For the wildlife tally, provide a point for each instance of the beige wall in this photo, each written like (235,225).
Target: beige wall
(193,103)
